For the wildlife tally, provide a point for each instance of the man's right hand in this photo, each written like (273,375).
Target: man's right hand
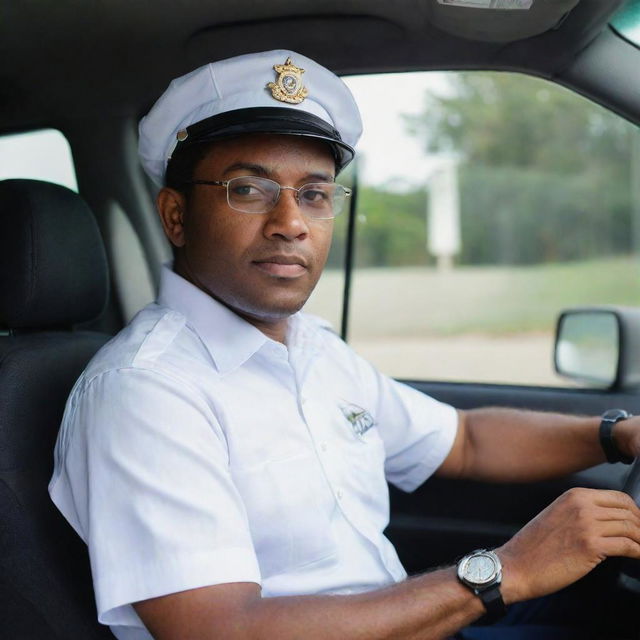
(567,540)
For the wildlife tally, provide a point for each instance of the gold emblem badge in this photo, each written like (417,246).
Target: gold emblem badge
(288,87)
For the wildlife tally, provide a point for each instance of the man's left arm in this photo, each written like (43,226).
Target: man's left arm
(510,445)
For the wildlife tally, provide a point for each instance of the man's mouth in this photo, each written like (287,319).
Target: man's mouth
(282,266)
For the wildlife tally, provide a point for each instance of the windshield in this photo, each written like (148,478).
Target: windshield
(627,21)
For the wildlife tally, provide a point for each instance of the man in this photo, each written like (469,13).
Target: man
(225,457)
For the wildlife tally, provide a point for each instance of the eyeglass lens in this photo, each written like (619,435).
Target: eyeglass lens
(252,194)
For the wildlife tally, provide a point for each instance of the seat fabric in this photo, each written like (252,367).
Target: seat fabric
(45,583)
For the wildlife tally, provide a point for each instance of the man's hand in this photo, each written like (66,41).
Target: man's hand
(567,540)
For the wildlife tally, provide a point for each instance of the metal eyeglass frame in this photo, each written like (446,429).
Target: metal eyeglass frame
(225,183)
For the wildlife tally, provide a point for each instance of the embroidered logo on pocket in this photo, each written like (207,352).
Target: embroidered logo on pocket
(359,419)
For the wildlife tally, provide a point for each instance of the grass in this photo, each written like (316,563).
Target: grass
(417,301)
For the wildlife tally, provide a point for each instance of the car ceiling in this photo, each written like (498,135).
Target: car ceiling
(71,59)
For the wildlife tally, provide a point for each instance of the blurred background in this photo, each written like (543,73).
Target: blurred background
(488,203)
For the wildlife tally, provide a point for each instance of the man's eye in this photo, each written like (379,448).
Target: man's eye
(246,190)
(315,196)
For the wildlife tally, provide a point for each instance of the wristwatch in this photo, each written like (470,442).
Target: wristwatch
(481,571)
(607,442)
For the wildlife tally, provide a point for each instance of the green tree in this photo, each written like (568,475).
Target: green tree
(391,228)
(545,174)
(506,119)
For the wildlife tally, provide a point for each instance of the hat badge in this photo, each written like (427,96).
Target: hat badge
(288,86)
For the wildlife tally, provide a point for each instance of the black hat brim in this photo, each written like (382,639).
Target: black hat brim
(276,120)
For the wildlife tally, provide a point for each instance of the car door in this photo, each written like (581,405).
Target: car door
(446,518)
(485,206)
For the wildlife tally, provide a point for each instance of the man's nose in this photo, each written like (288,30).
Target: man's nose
(286,219)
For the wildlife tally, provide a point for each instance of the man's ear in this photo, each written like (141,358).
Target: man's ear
(171,206)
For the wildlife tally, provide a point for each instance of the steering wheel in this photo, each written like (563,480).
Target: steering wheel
(632,483)
(631,567)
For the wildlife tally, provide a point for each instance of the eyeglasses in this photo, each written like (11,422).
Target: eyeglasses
(252,194)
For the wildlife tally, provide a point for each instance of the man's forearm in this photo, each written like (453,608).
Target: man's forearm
(561,545)
(432,606)
(507,445)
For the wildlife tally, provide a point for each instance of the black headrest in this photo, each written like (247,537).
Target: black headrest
(53,268)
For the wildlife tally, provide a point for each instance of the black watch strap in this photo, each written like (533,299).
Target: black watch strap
(609,420)
(484,580)
(492,601)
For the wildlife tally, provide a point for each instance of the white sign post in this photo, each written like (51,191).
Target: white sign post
(443,222)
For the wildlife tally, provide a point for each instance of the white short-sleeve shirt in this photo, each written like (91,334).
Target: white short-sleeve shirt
(196,451)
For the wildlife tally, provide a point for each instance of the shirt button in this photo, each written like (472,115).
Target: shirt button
(339,494)
(303,400)
(323,446)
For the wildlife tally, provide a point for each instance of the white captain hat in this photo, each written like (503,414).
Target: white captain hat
(276,91)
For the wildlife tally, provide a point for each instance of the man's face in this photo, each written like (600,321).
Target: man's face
(262,266)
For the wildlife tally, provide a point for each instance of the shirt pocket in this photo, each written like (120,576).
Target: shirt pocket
(362,462)
(289,507)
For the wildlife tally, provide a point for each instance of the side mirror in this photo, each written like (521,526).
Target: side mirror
(599,347)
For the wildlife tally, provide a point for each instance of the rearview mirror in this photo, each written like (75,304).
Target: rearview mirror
(599,347)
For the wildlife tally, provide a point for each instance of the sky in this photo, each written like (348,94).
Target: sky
(386,148)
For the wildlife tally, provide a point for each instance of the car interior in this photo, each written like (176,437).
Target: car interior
(75,267)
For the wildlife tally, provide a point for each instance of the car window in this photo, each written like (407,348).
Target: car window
(488,203)
(42,155)
(627,21)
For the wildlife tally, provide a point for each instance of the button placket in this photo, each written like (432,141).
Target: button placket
(315,418)
(321,445)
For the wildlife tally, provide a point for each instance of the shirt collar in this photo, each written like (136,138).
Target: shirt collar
(230,340)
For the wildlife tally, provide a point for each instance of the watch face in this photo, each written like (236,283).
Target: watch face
(615,414)
(480,569)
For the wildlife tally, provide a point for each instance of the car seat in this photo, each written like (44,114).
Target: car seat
(53,276)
